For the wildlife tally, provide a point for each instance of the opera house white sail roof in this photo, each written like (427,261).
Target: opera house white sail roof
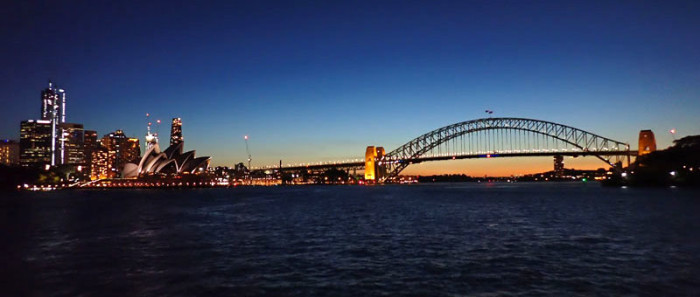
(170,161)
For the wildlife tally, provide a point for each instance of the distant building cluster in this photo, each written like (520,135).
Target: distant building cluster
(50,141)
(109,155)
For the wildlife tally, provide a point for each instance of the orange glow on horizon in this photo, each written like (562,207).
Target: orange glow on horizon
(501,166)
(494,166)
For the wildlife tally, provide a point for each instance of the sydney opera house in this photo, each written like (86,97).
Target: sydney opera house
(170,161)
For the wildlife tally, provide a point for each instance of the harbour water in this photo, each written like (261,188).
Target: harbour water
(476,239)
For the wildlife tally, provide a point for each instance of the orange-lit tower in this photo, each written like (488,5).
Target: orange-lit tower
(647,142)
(370,159)
(373,170)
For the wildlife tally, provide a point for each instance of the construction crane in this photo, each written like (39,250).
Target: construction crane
(247,150)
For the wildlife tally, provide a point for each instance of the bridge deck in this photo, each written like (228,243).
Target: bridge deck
(453,157)
(528,154)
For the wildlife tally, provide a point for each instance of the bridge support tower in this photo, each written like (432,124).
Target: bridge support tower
(647,142)
(374,170)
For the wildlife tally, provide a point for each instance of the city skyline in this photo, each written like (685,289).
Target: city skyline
(321,81)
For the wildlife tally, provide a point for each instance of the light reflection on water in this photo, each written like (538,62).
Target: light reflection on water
(446,239)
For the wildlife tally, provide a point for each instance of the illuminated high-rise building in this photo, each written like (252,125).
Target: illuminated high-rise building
(101,164)
(53,109)
(131,151)
(176,131)
(35,143)
(50,140)
(53,104)
(121,150)
(9,152)
(72,151)
(113,142)
(558,165)
(90,143)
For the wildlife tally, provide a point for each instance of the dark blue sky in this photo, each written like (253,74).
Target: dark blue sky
(310,80)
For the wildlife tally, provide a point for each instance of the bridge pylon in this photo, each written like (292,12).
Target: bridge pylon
(375,170)
(647,142)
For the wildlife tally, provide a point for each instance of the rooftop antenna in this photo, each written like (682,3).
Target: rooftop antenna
(148,127)
(247,150)
(157,127)
(149,137)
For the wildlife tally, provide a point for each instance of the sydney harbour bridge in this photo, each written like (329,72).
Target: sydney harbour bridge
(480,138)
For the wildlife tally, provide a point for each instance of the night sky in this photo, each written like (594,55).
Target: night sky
(320,80)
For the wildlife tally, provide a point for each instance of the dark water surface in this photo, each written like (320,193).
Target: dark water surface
(423,240)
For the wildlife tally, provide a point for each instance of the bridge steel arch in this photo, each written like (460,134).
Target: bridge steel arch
(581,141)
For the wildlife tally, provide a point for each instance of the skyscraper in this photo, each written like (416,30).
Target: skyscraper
(113,142)
(558,165)
(71,150)
(90,144)
(100,166)
(53,109)
(176,131)
(50,140)
(131,150)
(121,150)
(53,99)
(35,142)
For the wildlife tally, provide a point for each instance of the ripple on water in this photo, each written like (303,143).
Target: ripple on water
(454,240)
